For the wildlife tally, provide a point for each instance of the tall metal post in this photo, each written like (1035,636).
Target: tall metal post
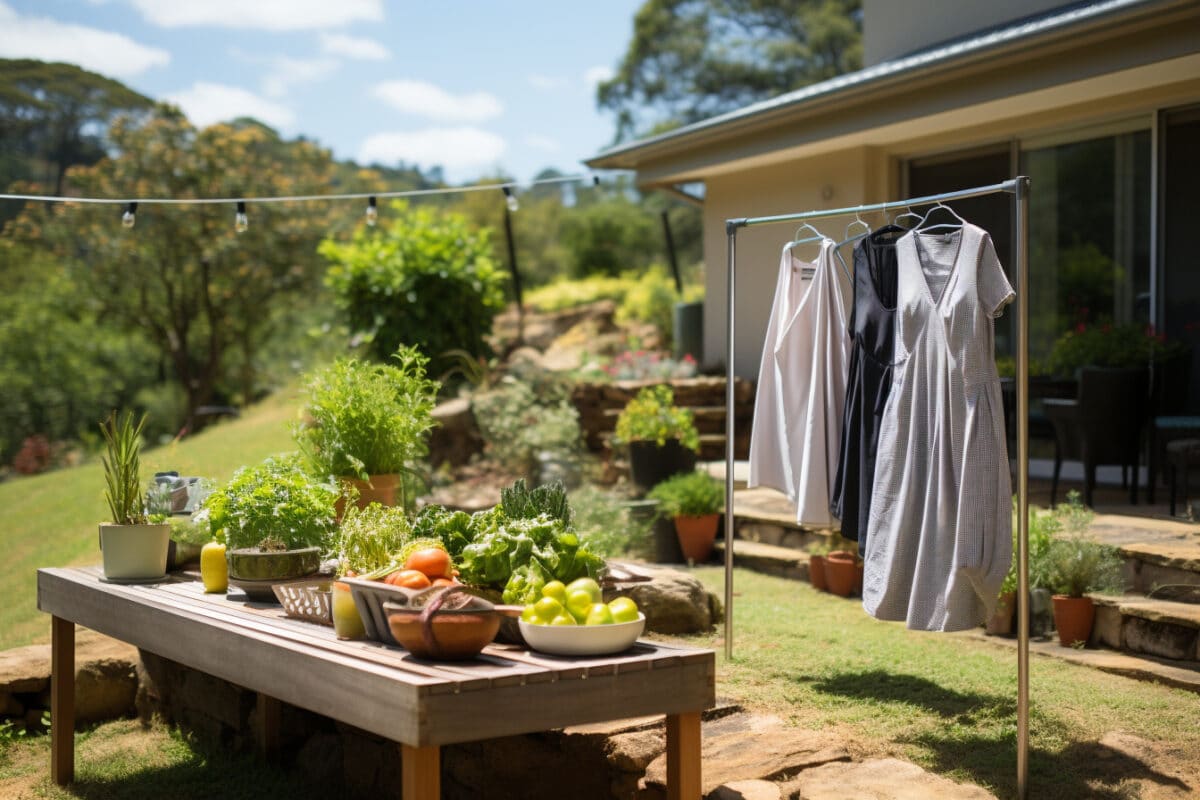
(1021,204)
(731,228)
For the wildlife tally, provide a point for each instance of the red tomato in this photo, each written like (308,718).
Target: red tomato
(409,579)
(432,561)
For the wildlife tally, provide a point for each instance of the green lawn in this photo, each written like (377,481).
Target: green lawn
(51,520)
(946,702)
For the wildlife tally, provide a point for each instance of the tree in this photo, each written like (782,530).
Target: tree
(693,59)
(53,116)
(182,276)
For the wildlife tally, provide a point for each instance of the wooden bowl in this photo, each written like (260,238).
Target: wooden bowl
(446,634)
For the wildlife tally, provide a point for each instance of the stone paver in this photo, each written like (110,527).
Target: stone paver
(879,779)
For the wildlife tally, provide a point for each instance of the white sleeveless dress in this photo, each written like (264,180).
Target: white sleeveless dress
(939,537)
(802,386)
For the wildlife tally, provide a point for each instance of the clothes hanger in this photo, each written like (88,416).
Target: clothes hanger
(920,226)
(858,220)
(908,212)
(816,237)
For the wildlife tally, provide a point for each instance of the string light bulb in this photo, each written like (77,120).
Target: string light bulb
(510,198)
(372,211)
(129,218)
(241,222)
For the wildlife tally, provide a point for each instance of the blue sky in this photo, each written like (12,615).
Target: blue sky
(475,87)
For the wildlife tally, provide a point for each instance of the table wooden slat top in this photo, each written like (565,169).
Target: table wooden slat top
(383,689)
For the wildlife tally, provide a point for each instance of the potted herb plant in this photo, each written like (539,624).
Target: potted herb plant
(694,500)
(662,438)
(277,521)
(842,566)
(133,548)
(1078,565)
(367,424)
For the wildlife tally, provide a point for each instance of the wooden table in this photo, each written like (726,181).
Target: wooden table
(381,689)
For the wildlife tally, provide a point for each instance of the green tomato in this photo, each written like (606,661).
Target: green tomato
(547,609)
(623,609)
(579,603)
(557,590)
(563,619)
(587,585)
(599,614)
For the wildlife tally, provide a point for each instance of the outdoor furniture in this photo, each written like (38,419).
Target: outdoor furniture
(1182,455)
(1103,425)
(383,690)
(1163,432)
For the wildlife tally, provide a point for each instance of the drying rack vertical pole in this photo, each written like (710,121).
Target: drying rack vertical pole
(731,228)
(1021,223)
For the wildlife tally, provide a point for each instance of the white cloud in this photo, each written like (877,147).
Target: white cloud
(208,103)
(595,75)
(547,82)
(283,72)
(459,150)
(358,48)
(50,40)
(268,15)
(435,103)
(543,143)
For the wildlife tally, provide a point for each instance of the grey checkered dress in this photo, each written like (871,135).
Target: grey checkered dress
(940,530)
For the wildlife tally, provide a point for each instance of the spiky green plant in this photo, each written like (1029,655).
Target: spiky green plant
(122,468)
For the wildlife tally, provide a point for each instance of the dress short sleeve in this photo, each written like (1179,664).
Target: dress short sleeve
(995,292)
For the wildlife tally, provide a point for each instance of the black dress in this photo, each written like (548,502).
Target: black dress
(872,326)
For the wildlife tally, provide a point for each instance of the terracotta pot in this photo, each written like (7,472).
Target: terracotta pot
(1073,617)
(380,489)
(816,573)
(1001,622)
(840,571)
(696,535)
(650,464)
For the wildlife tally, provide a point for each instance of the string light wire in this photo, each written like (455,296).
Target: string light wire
(300,198)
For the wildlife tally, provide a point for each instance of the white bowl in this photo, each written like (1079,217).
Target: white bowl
(583,640)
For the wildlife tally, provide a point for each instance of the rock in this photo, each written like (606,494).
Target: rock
(25,669)
(456,437)
(746,790)
(673,601)
(1161,639)
(10,706)
(746,747)
(105,689)
(633,752)
(879,779)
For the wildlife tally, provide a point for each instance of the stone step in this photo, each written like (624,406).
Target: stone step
(783,562)
(1135,624)
(1166,570)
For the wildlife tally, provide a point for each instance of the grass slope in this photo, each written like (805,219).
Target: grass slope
(949,702)
(51,520)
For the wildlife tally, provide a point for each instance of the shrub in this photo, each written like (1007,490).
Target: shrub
(607,527)
(1077,565)
(520,423)
(422,278)
(692,494)
(275,500)
(365,419)
(651,416)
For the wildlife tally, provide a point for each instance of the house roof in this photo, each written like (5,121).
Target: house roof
(1056,23)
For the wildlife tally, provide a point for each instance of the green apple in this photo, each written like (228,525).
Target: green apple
(623,609)
(563,619)
(599,614)
(557,590)
(547,609)
(529,614)
(579,603)
(586,585)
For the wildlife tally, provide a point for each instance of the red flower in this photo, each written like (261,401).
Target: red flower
(1080,328)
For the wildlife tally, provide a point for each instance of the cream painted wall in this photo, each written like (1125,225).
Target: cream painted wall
(894,28)
(836,180)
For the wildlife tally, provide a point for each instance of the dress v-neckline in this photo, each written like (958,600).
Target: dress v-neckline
(950,276)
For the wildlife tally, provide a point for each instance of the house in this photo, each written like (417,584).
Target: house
(1098,102)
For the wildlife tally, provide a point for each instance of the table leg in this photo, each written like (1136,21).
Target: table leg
(62,701)
(420,772)
(683,756)
(267,714)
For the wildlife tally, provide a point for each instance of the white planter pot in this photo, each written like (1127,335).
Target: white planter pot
(134,552)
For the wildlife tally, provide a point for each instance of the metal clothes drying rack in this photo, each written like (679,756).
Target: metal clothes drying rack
(1019,188)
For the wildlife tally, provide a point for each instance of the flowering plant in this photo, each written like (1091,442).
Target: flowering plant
(1128,345)
(651,416)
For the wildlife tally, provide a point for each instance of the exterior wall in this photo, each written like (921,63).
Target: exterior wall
(892,28)
(850,177)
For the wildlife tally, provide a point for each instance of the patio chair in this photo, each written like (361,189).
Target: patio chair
(1103,425)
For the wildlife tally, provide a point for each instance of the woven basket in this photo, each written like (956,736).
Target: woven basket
(308,601)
